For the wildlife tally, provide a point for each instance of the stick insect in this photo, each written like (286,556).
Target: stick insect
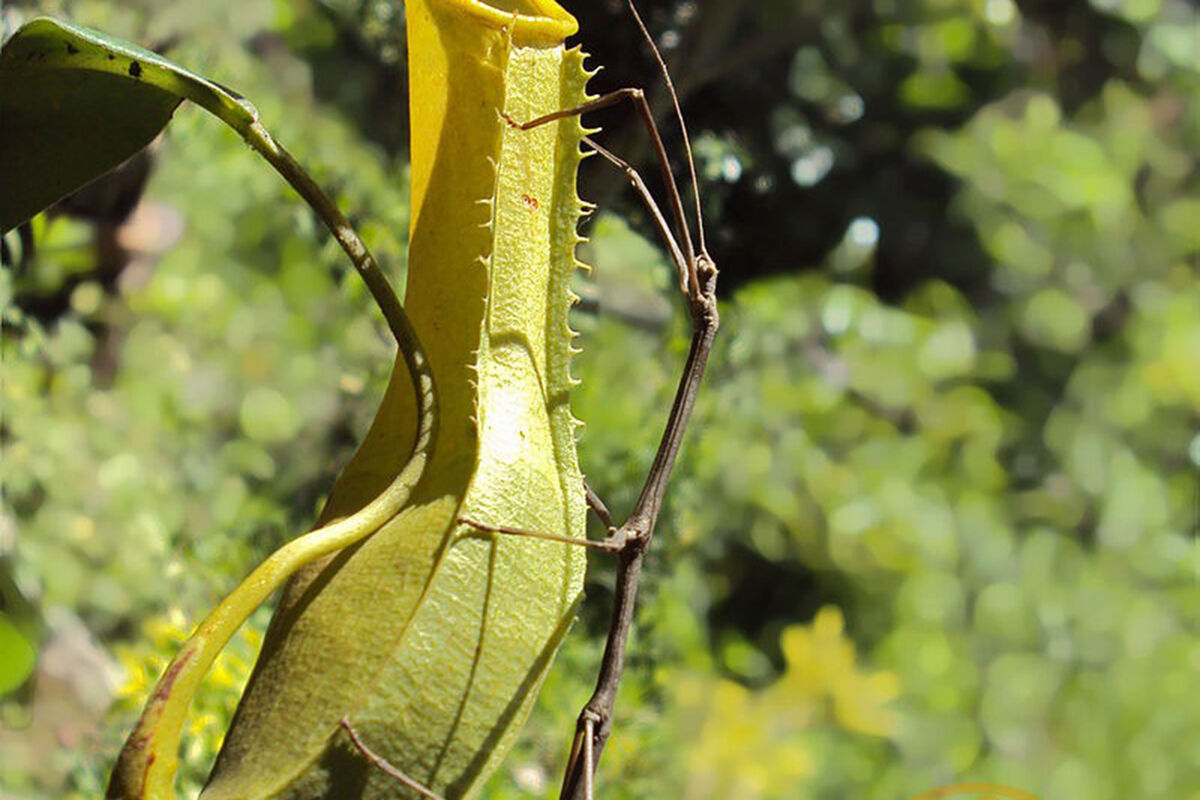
(697,274)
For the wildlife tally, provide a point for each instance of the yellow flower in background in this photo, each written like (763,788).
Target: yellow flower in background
(143,665)
(752,744)
(859,702)
(822,663)
(744,747)
(818,655)
(214,703)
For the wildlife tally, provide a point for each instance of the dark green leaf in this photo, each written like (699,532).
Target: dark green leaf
(76,103)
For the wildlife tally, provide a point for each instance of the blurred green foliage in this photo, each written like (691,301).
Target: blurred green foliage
(936,519)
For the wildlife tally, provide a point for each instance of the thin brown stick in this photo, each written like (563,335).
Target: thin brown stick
(611,544)
(385,766)
(589,763)
(599,509)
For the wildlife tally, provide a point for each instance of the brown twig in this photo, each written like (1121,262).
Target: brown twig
(383,764)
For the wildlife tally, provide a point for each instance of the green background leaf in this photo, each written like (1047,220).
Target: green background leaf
(77,103)
(17,656)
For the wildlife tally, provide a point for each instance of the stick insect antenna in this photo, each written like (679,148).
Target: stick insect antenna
(687,142)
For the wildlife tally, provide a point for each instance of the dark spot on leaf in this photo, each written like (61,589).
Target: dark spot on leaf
(111,57)
(71,49)
(135,69)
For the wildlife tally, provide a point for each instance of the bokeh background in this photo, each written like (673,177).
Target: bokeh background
(936,519)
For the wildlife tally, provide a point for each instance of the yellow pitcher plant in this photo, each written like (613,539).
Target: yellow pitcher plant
(420,636)
(432,637)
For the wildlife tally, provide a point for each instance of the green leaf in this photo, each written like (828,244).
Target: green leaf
(17,656)
(76,103)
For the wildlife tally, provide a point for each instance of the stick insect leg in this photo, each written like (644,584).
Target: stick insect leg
(612,544)
(384,765)
(589,761)
(685,256)
(603,101)
(599,509)
(660,221)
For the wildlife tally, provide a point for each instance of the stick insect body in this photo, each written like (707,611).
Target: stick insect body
(697,273)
